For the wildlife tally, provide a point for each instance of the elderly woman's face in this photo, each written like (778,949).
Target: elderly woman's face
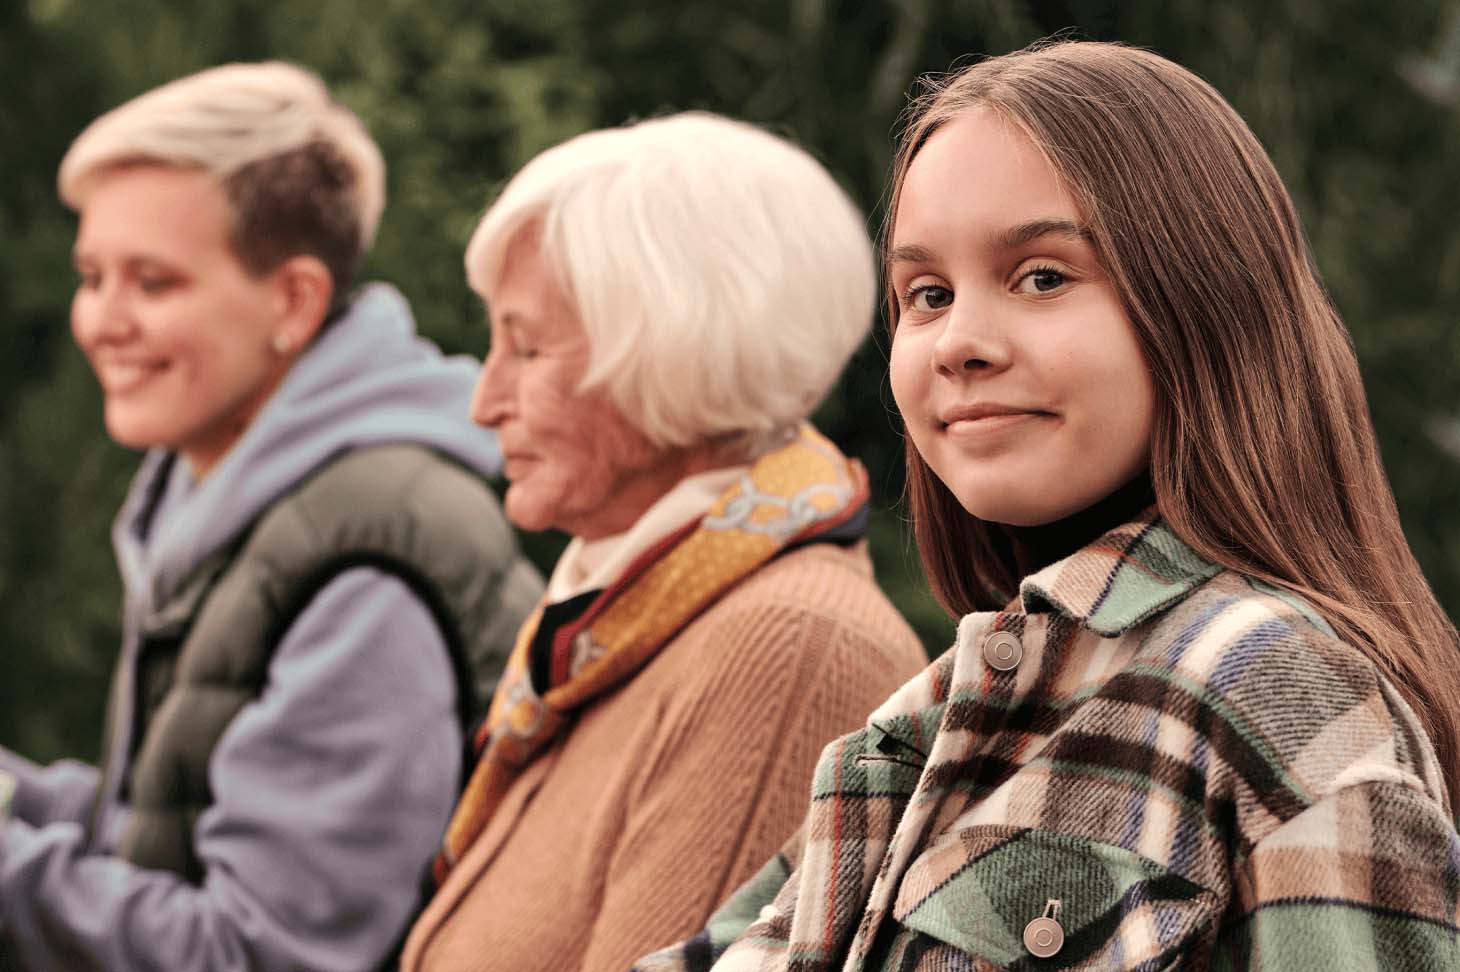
(179,334)
(574,462)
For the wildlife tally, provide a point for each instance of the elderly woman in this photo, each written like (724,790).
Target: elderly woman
(668,302)
(311,555)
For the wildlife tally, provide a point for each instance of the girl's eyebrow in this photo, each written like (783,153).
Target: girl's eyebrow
(1006,239)
(1017,236)
(909,253)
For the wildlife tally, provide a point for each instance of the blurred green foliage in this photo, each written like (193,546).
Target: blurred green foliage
(1357,101)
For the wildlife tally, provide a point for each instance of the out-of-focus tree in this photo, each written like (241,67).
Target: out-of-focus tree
(1352,99)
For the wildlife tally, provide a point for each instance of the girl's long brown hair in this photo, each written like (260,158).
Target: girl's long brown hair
(1263,454)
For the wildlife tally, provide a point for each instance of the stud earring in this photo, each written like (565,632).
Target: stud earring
(281,344)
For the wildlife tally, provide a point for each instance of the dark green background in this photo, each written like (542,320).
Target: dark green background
(1357,102)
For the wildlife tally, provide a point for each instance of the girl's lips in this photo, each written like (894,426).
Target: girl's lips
(989,424)
(978,411)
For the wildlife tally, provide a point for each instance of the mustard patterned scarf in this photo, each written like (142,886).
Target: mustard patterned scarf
(570,653)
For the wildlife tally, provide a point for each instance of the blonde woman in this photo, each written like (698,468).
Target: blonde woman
(311,558)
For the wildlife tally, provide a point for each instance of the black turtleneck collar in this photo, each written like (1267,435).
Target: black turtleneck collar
(1036,547)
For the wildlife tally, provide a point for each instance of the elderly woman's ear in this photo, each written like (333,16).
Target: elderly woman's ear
(303,293)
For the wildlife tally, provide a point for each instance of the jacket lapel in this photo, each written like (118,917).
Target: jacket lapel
(968,718)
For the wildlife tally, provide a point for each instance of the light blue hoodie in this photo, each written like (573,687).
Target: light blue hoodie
(332,789)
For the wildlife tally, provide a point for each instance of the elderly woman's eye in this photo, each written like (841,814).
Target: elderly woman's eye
(928,298)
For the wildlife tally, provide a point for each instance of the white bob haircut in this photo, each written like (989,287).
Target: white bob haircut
(721,276)
(232,121)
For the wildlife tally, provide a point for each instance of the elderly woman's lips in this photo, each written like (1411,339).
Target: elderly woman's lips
(513,463)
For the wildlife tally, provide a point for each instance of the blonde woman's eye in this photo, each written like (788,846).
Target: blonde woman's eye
(156,285)
(928,298)
(1041,280)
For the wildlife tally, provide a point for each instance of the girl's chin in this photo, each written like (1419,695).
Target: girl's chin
(1001,511)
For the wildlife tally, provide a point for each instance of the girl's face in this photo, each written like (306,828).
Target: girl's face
(1017,372)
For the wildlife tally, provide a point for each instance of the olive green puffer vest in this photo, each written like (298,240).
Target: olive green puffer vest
(205,655)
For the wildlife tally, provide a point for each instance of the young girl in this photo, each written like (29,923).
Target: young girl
(1202,708)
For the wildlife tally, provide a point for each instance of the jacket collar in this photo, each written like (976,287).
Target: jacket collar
(1121,579)
(1108,586)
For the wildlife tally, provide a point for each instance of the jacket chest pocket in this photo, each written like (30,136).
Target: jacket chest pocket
(1031,899)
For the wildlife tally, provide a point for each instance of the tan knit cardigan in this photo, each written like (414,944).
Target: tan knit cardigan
(672,791)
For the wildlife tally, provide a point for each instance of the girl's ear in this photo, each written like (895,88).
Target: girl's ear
(304,291)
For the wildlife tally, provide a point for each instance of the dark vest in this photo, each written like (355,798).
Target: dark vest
(205,655)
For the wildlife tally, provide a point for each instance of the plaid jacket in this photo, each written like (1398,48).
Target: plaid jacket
(1146,762)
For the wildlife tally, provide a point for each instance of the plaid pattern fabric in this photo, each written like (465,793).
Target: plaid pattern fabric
(1184,770)
(803,490)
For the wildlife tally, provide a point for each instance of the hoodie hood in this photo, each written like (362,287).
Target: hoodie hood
(366,380)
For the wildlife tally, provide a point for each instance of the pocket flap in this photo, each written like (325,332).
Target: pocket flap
(978,889)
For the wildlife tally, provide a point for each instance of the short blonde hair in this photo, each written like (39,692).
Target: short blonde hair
(301,172)
(722,276)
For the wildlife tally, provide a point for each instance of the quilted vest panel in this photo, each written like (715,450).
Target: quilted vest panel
(206,654)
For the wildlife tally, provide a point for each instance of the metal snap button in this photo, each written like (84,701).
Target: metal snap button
(1002,651)
(1043,936)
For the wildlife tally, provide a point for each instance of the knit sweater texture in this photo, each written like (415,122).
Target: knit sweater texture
(671,791)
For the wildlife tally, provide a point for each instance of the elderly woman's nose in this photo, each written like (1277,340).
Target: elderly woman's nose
(491,398)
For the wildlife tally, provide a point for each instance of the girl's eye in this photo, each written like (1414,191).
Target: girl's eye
(525,354)
(928,298)
(86,280)
(1040,280)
